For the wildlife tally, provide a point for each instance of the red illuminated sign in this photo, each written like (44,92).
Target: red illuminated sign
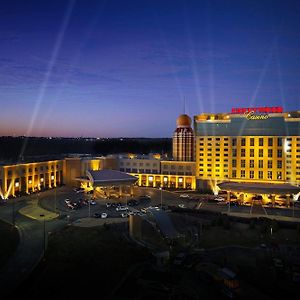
(267,110)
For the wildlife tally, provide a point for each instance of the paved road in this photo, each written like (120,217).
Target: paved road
(30,248)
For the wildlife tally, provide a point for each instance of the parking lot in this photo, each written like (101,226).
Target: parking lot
(77,204)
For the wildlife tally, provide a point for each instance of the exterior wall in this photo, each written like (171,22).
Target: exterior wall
(249,153)
(166,181)
(29,177)
(72,171)
(136,165)
(183,144)
(178,168)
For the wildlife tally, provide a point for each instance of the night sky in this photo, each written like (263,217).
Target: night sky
(120,68)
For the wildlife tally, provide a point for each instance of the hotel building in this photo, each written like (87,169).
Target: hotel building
(248,145)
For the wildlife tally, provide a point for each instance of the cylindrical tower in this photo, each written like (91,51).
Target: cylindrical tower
(183,139)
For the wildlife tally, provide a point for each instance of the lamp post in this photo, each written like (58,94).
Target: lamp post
(13,212)
(44,227)
(160,197)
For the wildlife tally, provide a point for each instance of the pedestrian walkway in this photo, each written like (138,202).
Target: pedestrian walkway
(34,211)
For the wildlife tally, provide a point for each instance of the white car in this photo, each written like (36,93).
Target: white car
(67,201)
(181,205)
(124,215)
(121,208)
(104,215)
(92,202)
(219,199)
(184,196)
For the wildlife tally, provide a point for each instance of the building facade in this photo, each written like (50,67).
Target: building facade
(17,179)
(183,139)
(248,145)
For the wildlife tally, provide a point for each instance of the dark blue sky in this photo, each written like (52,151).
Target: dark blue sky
(122,68)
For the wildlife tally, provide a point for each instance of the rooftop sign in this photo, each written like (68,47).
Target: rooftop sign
(260,109)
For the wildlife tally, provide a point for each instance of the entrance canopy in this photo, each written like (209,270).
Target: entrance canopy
(259,188)
(110,178)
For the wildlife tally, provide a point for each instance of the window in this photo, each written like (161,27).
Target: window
(251,163)
(269,174)
(279,153)
(243,163)
(260,163)
(279,164)
(261,142)
(243,152)
(260,174)
(261,152)
(251,174)
(270,142)
(234,163)
(251,152)
(270,165)
(233,152)
(233,142)
(279,142)
(243,142)
(270,153)
(243,174)
(233,173)
(279,175)
(251,141)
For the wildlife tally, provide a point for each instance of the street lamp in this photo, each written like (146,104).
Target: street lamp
(13,212)
(44,227)
(160,197)
(55,200)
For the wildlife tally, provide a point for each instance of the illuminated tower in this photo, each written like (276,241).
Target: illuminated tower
(183,139)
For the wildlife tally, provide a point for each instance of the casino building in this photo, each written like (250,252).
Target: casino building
(247,151)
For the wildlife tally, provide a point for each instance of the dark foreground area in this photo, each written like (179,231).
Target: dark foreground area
(104,263)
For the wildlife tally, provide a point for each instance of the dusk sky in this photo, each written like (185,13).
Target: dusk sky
(120,68)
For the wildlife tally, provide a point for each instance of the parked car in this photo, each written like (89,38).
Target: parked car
(184,196)
(121,208)
(124,215)
(103,215)
(92,202)
(181,205)
(67,201)
(108,204)
(97,215)
(219,199)
(69,205)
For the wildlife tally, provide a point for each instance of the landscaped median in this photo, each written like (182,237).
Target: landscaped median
(34,211)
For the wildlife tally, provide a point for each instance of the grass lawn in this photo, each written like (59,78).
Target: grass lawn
(9,241)
(83,260)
